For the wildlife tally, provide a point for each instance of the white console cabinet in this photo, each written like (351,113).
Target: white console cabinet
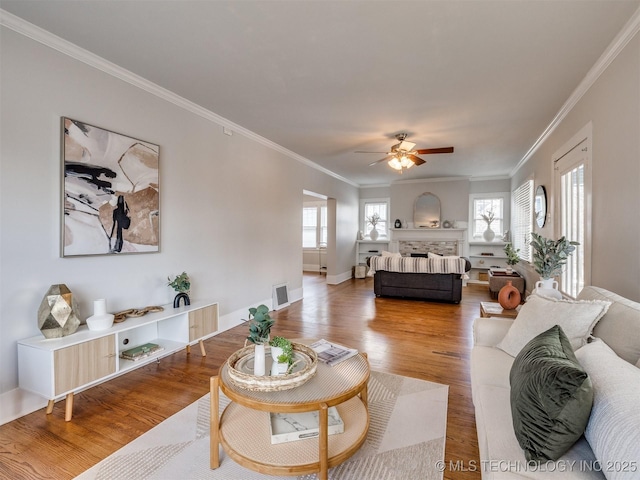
(57,367)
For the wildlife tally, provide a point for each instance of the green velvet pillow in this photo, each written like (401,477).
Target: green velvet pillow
(551,396)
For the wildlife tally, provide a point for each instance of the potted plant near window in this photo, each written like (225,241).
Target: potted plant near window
(282,355)
(373,220)
(512,257)
(259,330)
(549,260)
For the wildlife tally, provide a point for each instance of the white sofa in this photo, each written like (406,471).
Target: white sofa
(500,454)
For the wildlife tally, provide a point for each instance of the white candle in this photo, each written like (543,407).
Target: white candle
(99,307)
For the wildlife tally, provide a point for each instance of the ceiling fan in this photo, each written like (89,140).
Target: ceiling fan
(404,156)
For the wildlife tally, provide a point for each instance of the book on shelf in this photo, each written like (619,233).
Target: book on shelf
(141,351)
(289,427)
(332,353)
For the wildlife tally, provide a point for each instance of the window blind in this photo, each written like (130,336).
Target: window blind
(522,219)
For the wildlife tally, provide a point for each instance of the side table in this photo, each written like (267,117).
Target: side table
(497,280)
(494,309)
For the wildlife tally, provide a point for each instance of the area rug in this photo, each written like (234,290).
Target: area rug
(406,440)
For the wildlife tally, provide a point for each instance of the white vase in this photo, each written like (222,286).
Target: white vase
(258,360)
(548,287)
(373,234)
(278,368)
(100,320)
(489,235)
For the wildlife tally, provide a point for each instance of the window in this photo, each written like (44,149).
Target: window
(572,190)
(486,204)
(371,207)
(314,226)
(572,226)
(522,219)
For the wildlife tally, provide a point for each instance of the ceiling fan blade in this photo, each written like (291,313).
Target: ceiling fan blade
(416,160)
(385,159)
(406,146)
(428,151)
(362,151)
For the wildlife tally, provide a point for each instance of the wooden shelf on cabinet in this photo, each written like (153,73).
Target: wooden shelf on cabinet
(57,367)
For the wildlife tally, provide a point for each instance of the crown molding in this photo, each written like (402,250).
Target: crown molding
(65,47)
(487,178)
(620,41)
(430,180)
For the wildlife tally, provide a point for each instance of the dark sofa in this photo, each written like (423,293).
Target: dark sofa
(444,287)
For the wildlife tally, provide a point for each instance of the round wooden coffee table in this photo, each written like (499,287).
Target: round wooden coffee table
(244,433)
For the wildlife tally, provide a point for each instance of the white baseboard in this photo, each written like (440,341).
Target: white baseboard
(17,403)
(342,277)
(235,318)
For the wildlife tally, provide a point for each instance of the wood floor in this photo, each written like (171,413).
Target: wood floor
(425,340)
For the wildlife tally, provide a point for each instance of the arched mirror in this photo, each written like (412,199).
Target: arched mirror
(540,206)
(426,211)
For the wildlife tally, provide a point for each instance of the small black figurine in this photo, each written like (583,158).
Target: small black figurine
(398,223)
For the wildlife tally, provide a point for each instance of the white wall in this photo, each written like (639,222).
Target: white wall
(612,104)
(453,194)
(230,206)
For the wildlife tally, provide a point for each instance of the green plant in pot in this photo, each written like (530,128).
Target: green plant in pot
(512,256)
(549,259)
(282,354)
(260,323)
(182,285)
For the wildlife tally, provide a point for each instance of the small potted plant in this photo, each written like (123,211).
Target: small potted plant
(512,257)
(259,330)
(182,285)
(373,220)
(282,355)
(549,259)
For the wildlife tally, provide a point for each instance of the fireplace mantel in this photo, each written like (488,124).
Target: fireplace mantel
(457,235)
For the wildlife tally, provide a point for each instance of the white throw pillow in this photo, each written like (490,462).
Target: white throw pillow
(539,314)
(389,254)
(613,430)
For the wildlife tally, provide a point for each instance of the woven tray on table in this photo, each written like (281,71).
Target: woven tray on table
(267,383)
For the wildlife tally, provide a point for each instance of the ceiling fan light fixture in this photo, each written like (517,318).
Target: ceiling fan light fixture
(395,163)
(406,162)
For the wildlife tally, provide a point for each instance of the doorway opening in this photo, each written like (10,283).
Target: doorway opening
(318,234)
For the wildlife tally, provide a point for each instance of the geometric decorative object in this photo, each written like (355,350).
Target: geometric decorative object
(58,312)
(181,296)
(110,192)
(509,296)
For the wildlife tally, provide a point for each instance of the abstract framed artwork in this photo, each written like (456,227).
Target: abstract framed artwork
(110,190)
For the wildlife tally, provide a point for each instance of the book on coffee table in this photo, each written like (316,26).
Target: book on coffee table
(289,427)
(332,353)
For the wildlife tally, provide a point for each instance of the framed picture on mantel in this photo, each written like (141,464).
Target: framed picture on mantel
(110,192)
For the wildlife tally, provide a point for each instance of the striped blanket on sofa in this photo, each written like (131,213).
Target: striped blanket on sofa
(417,264)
